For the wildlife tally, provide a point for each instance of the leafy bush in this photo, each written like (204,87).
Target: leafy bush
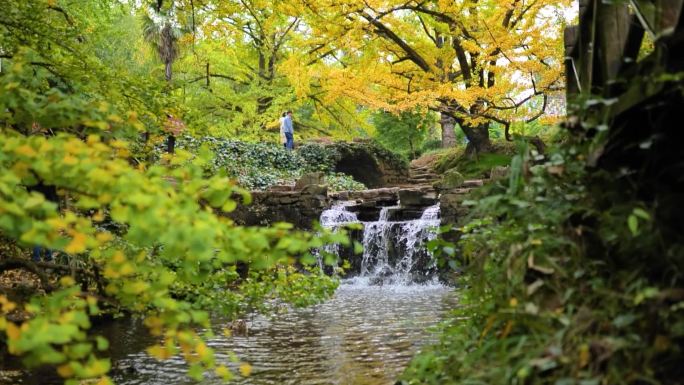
(343,182)
(261,165)
(431,145)
(318,157)
(564,283)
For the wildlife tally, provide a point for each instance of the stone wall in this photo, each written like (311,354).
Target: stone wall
(301,208)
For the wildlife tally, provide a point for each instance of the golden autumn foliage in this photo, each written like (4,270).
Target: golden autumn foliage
(473,61)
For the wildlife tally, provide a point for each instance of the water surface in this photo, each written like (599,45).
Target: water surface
(365,335)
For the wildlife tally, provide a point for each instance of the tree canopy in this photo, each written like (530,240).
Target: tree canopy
(142,237)
(474,62)
(89,91)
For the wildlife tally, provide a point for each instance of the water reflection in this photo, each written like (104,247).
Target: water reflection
(365,335)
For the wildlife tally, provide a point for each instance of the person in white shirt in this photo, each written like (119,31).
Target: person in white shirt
(283,139)
(289,131)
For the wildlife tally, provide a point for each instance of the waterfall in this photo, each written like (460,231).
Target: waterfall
(395,251)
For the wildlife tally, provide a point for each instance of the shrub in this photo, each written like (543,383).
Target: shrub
(259,166)
(431,145)
(318,157)
(343,182)
(568,281)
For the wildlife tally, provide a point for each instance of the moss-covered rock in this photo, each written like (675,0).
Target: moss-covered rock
(450,180)
(311,178)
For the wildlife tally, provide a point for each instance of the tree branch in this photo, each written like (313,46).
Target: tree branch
(25,264)
(412,54)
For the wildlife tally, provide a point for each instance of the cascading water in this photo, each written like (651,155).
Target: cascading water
(394,250)
(335,218)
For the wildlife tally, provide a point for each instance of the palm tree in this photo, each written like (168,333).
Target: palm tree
(163,36)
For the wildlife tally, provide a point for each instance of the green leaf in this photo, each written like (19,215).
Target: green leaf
(102,343)
(624,320)
(196,372)
(633,224)
(358,247)
(229,206)
(641,213)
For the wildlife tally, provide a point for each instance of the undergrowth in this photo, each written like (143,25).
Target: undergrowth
(258,166)
(563,284)
(476,166)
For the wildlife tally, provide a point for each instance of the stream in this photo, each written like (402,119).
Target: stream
(365,335)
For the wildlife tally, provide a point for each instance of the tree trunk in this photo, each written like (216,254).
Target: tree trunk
(167,71)
(448,133)
(478,138)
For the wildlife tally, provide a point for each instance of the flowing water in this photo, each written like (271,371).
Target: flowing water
(365,335)
(395,251)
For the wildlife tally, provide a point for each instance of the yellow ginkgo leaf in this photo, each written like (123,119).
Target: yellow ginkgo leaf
(77,244)
(65,371)
(13,332)
(245,369)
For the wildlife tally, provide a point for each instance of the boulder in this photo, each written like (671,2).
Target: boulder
(451,179)
(376,195)
(451,208)
(414,198)
(315,189)
(312,178)
(340,196)
(279,188)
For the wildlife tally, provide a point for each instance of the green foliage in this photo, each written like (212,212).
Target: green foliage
(404,133)
(473,167)
(431,145)
(261,165)
(563,284)
(343,182)
(318,157)
(253,165)
(147,234)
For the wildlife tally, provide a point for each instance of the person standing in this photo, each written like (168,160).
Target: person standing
(283,139)
(289,131)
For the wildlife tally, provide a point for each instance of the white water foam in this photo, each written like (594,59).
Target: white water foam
(393,250)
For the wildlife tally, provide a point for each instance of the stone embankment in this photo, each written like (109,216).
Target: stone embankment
(303,203)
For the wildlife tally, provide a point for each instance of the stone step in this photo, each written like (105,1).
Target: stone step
(381,194)
(421,172)
(473,183)
(456,191)
(281,188)
(424,176)
(422,180)
(417,197)
(423,169)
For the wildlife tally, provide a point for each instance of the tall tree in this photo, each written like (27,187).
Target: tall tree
(159,31)
(237,78)
(473,61)
(70,116)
